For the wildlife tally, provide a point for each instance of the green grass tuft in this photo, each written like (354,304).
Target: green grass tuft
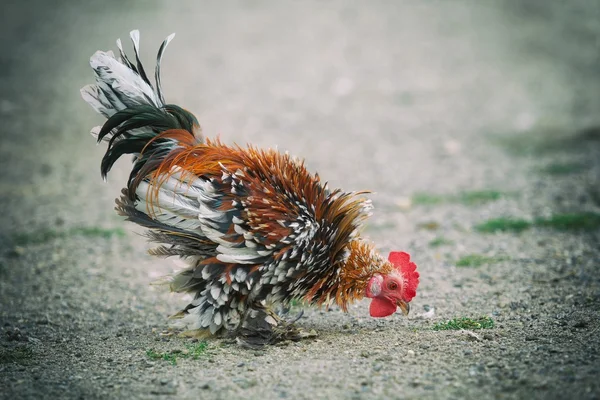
(44,236)
(170,357)
(427,199)
(18,354)
(478,197)
(440,241)
(465,323)
(571,222)
(503,225)
(477,260)
(196,350)
(467,198)
(586,221)
(193,352)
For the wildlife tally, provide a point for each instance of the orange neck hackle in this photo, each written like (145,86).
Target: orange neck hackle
(362,263)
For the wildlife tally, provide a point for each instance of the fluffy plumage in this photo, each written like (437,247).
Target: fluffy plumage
(255,226)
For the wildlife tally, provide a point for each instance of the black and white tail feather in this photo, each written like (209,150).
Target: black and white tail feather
(135,110)
(136,114)
(121,84)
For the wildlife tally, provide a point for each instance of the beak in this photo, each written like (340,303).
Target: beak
(404,306)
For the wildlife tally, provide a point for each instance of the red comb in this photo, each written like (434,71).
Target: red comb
(401,261)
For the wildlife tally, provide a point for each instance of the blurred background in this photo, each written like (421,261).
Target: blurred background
(374,96)
(455,113)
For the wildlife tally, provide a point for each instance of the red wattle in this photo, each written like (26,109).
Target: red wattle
(381,308)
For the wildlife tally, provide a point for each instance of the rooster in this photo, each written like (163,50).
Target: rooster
(256,228)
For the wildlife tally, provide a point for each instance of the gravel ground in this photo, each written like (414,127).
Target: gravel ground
(422,102)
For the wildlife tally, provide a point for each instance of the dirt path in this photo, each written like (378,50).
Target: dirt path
(477,127)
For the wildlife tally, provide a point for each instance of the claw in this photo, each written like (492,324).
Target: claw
(257,330)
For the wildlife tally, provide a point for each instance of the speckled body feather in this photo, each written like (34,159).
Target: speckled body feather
(255,227)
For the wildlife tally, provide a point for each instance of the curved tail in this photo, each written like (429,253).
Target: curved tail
(136,112)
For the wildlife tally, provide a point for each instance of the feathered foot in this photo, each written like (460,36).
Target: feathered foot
(263,327)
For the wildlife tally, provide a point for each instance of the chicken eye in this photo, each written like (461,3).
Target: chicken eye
(392,286)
